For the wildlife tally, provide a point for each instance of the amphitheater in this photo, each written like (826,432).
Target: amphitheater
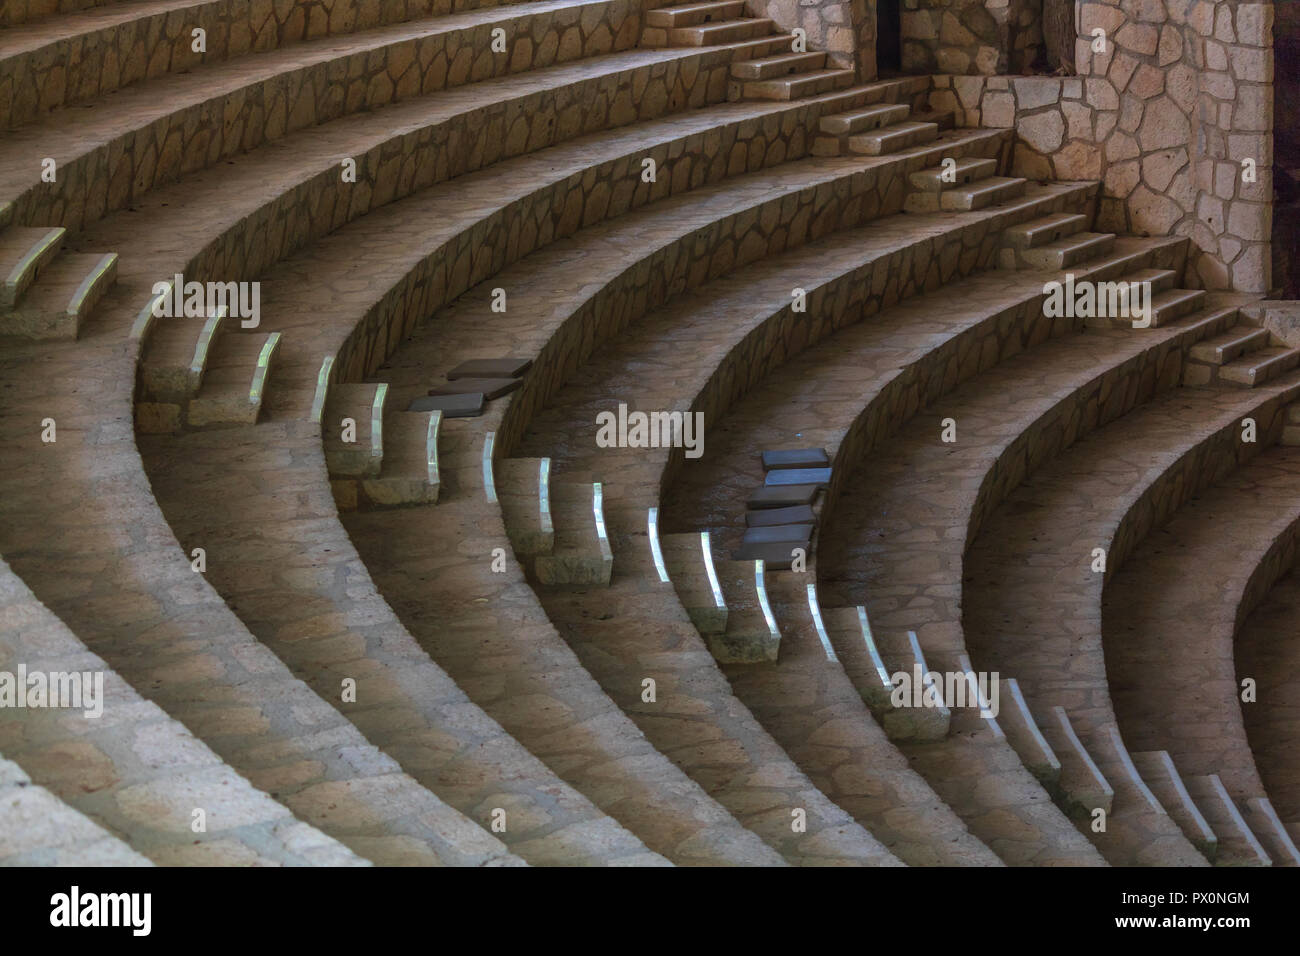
(311,314)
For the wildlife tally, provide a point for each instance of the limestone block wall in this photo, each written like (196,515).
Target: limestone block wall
(845,29)
(1165,117)
(985,37)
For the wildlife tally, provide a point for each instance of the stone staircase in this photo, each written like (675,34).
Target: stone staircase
(344,627)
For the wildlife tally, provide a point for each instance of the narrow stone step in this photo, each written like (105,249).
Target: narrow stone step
(1259,367)
(987,192)
(963,172)
(751,634)
(1273,837)
(523,488)
(1232,345)
(352,430)
(765,517)
(855,644)
(773,67)
(1238,846)
(694,14)
(24,252)
(60,301)
(1158,770)
(581,556)
(1082,789)
(688,560)
(1171,305)
(1044,230)
(176,356)
(1160,279)
(410,474)
(892,139)
(1024,736)
(797,86)
(726,31)
(234,385)
(1069,251)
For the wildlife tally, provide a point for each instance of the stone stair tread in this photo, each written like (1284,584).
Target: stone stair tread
(795,514)
(782,64)
(722,31)
(1236,342)
(795,458)
(872,117)
(464,405)
(490,388)
(799,84)
(966,170)
(692,14)
(490,368)
(1046,229)
(1261,365)
(785,477)
(892,138)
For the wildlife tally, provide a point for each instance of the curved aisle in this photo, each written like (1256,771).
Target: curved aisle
(1031,599)
(1170,613)
(1268,650)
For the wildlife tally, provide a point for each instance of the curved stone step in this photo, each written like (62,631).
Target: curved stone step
(27,11)
(1172,608)
(115,45)
(38,829)
(158,131)
(911,318)
(116,575)
(1098,494)
(128,767)
(1266,651)
(402,57)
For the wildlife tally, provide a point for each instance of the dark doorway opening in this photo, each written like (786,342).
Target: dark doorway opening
(1286,150)
(889,38)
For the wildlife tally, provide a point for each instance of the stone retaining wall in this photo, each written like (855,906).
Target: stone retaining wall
(1164,117)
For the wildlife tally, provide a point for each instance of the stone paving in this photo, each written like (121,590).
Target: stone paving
(1211,564)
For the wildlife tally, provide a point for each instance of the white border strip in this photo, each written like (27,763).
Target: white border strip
(544,497)
(872,651)
(656,553)
(323,379)
(760,585)
(489,482)
(598,510)
(712,572)
(822,636)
